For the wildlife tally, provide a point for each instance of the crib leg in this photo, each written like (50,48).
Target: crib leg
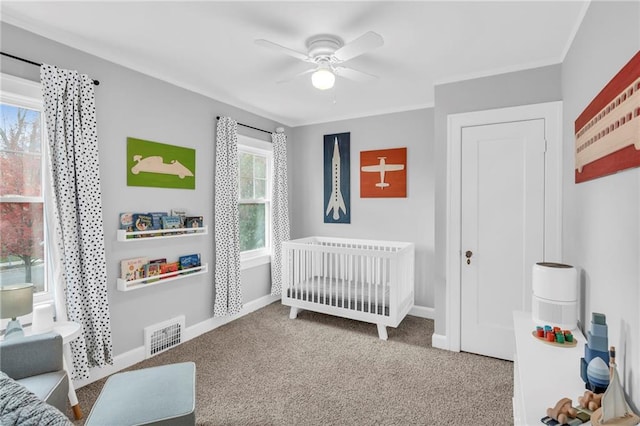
(293,314)
(382,332)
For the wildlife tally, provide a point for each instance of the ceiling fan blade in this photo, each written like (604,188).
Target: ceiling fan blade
(274,46)
(355,75)
(293,77)
(359,46)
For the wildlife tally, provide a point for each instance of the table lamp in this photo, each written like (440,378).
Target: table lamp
(15,300)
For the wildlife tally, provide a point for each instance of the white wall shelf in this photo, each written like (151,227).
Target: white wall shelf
(161,279)
(127,237)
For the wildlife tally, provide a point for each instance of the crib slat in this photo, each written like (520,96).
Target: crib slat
(332,257)
(370,277)
(314,274)
(338,276)
(296,271)
(357,280)
(377,282)
(324,276)
(363,277)
(303,274)
(309,274)
(343,258)
(350,265)
(336,280)
(301,270)
(384,283)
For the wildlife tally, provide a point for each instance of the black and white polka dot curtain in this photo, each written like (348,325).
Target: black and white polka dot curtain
(228,297)
(280,209)
(77,211)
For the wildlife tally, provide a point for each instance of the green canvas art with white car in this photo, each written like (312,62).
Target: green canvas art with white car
(160,165)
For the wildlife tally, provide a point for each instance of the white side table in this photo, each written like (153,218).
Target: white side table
(69,331)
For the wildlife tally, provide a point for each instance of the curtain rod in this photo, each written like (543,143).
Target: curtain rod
(250,127)
(96,82)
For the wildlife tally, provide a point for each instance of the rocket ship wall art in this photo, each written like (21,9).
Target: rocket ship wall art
(337,178)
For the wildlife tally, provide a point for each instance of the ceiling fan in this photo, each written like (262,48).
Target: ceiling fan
(327,52)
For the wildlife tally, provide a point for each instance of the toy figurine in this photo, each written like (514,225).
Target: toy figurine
(590,400)
(593,367)
(563,411)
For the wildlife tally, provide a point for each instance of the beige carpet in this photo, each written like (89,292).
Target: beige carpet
(265,369)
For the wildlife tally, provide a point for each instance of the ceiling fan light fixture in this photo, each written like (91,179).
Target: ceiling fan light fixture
(323,79)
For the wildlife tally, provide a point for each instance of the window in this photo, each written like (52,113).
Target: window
(23,247)
(255,159)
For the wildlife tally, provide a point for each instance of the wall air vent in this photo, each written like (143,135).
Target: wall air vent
(163,336)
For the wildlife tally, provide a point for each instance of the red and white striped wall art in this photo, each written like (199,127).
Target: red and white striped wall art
(607,133)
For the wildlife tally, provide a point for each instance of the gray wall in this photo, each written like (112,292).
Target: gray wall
(601,217)
(132,104)
(400,219)
(505,90)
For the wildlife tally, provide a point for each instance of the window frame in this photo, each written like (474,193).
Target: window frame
(246,144)
(27,94)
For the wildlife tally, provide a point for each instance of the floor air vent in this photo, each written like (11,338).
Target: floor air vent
(163,336)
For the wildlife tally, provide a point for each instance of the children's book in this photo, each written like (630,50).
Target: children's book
(126,222)
(152,270)
(189,261)
(166,268)
(133,269)
(193,222)
(181,213)
(171,222)
(142,222)
(156,220)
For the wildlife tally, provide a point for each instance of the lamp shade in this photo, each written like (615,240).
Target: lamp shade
(16,300)
(323,79)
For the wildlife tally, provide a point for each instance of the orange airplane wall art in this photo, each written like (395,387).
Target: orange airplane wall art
(383,173)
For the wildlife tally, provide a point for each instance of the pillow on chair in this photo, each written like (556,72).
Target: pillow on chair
(18,406)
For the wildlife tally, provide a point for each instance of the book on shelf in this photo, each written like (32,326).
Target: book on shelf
(166,268)
(189,261)
(193,222)
(171,222)
(181,213)
(126,222)
(133,269)
(152,270)
(142,222)
(156,220)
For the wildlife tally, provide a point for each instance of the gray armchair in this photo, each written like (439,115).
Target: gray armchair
(36,363)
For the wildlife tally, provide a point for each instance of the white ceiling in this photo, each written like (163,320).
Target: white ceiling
(208,46)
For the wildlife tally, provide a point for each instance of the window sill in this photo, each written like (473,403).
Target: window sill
(252,262)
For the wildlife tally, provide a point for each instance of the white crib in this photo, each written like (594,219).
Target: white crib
(365,280)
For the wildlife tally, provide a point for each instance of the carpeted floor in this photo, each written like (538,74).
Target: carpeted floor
(265,369)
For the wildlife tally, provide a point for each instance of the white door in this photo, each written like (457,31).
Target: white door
(502,230)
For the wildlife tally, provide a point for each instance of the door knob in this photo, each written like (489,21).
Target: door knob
(468,255)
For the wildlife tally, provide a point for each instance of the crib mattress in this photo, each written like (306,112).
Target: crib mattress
(333,289)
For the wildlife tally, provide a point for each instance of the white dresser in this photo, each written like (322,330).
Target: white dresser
(542,374)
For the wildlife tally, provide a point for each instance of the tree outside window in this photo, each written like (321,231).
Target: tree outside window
(22,241)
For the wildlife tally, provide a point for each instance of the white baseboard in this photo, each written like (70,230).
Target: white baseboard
(134,356)
(423,312)
(440,341)
(213,323)
(120,362)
